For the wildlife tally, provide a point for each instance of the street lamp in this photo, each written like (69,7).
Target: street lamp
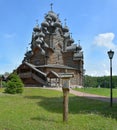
(110,54)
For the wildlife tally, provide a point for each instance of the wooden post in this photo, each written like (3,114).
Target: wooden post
(65,83)
(65,103)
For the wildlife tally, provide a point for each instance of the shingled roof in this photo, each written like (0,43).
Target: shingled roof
(34,68)
(56,66)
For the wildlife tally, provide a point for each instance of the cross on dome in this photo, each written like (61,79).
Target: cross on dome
(79,42)
(51,5)
(65,21)
(37,22)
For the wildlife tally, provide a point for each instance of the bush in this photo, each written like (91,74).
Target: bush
(3,84)
(14,84)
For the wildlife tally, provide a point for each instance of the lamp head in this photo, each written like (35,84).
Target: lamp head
(110,54)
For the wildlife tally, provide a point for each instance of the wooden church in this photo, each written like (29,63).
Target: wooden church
(52,55)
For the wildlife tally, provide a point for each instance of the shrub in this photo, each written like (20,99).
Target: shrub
(14,84)
(3,84)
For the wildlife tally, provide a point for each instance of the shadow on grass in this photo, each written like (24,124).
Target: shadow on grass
(77,105)
(45,119)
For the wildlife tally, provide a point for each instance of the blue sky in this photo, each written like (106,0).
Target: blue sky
(93,22)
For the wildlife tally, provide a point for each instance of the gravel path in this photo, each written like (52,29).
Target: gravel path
(90,96)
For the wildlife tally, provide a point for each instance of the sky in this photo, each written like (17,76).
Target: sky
(93,22)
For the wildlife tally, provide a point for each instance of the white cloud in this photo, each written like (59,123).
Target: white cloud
(8,35)
(105,40)
(101,68)
(100,72)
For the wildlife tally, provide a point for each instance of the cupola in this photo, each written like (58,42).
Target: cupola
(45,24)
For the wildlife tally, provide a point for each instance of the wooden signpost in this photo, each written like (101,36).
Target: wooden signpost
(65,89)
(65,104)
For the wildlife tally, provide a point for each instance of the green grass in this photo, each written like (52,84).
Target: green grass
(1,89)
(41,109)
(98,91)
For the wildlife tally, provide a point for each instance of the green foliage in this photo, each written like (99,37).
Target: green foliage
(14,84)
(103,82)
(3,83)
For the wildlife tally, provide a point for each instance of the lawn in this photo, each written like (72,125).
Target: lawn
(41,109)
(98,91)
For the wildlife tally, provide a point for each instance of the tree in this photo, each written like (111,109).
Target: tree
(14,84)
(102,81)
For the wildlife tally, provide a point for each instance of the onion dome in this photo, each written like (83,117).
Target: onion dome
(29,53)
(78,55)
(36,35)
(44,29)
(79,47)
(45,24)
(71,48)
(52,15)
(71,40)
(36,29)
(66,34)
(57,24)
(65,29)
(48,18)
(41,34)
(39,41)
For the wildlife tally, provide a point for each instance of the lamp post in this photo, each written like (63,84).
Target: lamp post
(110,54)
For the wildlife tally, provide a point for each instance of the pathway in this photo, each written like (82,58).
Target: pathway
(87,95)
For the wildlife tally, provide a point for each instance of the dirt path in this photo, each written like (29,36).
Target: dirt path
(90,96)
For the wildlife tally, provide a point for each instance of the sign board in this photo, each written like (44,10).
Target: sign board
(66,83)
